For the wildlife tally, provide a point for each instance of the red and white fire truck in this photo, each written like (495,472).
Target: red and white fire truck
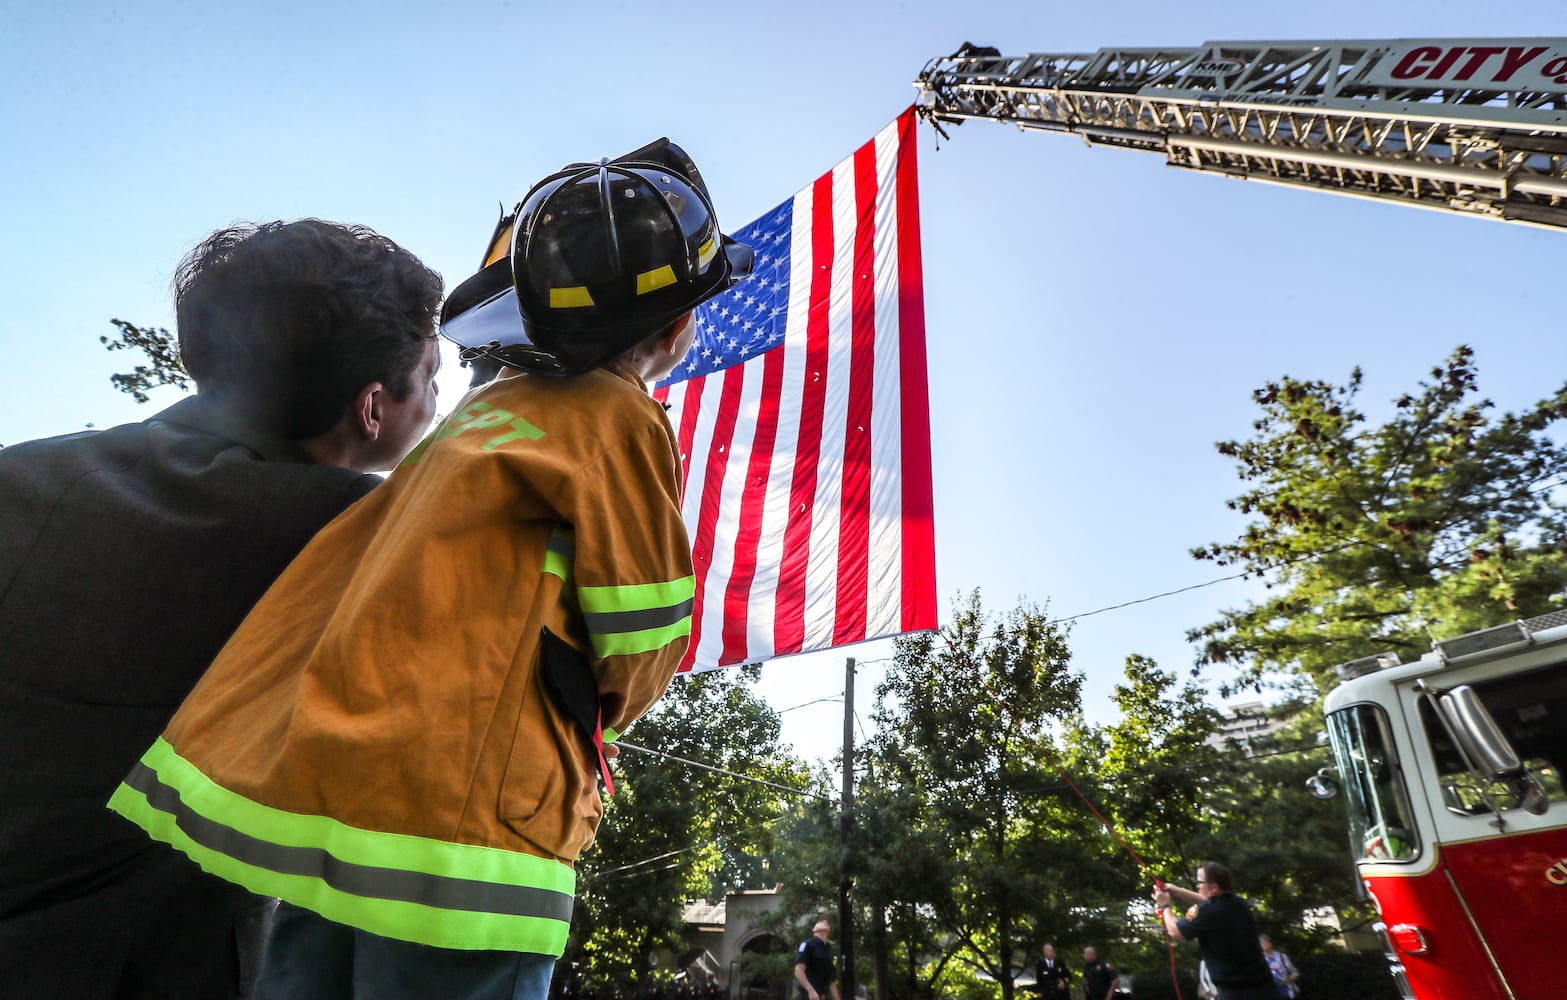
(1450,769)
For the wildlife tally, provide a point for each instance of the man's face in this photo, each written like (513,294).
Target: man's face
(1050,952)
(1090,955)
(403,422)
(822,929)
(1205,886)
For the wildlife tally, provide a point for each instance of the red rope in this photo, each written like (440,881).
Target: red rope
(1055,762)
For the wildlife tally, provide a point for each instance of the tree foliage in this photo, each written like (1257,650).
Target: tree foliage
(1444,519)
(971,847)
(163,352)
(676,832)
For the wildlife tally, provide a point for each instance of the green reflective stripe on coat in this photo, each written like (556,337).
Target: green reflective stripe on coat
(637,618)
(636,596)
(409,888)
(560,552)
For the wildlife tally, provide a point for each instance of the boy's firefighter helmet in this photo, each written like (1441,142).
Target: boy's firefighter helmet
(597,258)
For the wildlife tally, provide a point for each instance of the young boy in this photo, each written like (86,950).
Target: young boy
(401,741)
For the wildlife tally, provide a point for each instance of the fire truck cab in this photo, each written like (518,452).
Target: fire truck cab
(1451,772)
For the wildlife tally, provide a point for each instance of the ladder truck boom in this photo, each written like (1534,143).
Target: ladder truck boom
(1476,126)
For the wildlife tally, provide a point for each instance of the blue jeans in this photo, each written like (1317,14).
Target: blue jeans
(311,958)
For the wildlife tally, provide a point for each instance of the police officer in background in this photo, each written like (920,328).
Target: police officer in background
(813,966)
(1099,976)
(1052,979)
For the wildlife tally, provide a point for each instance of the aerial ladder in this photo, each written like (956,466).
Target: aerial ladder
(1475,126)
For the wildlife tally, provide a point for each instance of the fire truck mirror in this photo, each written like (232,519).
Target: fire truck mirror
(1483,741)
(1322,785)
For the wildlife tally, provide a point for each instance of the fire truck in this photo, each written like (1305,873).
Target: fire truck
(1450,767)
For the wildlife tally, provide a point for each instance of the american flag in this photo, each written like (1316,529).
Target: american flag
(803,418)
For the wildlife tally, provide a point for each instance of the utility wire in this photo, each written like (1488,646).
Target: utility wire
(1223,579)
(718,770)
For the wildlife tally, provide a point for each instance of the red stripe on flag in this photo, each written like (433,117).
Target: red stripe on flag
(753,498)
(690,409)
(855,501)
(789,625)
(919,537)
(712,492)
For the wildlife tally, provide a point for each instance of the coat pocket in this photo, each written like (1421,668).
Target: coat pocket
(550,792)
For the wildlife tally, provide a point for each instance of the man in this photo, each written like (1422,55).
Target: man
(1052,979)
(1221,924)
(813,966)
(1099,976)
(128,556)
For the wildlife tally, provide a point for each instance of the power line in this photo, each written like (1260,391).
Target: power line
(718,770)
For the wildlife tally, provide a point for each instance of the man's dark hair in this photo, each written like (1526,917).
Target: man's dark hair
(1218,875)
(287,321)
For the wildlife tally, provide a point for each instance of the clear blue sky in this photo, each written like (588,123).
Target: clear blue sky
(1096,320)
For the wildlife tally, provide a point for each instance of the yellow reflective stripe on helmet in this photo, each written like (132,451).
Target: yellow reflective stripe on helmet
(705,252)
(432,892)
(649,281)
(574,297)
(500,246)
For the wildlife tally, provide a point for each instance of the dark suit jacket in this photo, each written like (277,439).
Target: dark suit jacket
(127,557)
(1046,980)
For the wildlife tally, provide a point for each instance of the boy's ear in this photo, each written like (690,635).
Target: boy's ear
(669,342)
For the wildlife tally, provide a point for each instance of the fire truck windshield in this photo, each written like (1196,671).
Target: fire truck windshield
(1530,709)
(1378,806)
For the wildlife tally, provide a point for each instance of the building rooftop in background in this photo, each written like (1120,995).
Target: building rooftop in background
(1244,722)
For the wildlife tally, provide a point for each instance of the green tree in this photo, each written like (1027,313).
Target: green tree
(1442,520)
(675,831)
(163,352)
(949,852)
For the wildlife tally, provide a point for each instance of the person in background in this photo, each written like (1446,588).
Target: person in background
(1052,979)
(128,556)
(1099,976)
(815,975)
(1221,923)
(1285,975)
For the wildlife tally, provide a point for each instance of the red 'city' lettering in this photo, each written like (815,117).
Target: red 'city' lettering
(1433,63)
(1408,67)
(1516,58)
(1478,54)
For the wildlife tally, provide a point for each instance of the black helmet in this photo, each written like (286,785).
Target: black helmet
(597,258)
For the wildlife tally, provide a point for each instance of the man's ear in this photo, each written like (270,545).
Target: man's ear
(367,410)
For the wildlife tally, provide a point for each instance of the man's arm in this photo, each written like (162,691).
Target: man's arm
(805,984)
(1115,977)
(834,988)
(1184,896)
(1165,901)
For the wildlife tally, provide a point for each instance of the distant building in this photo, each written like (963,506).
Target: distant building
(723,939)
(1245,722)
